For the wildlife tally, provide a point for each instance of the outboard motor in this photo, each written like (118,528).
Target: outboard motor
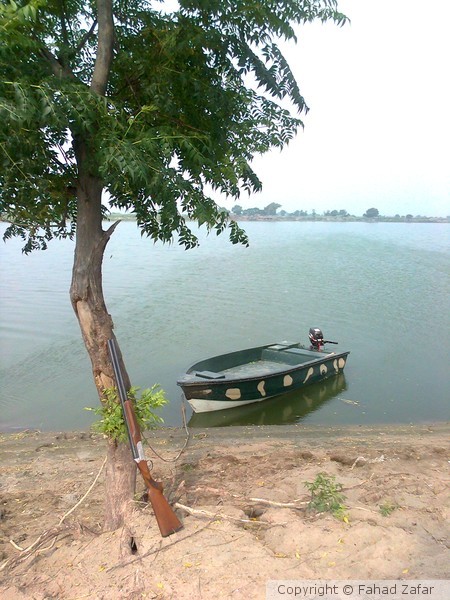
(316,338)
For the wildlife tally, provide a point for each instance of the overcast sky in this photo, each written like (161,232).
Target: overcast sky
(378,130)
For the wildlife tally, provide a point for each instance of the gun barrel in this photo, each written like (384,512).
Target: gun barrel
(122,396)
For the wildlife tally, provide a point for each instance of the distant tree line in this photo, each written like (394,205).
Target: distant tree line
(270,211)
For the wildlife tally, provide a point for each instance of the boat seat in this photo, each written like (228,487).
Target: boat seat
(282,345)
(279,356)
(296,351)
(209,375)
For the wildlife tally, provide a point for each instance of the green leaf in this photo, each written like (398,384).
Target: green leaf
(112,423)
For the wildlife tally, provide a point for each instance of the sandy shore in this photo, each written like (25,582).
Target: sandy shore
(394,526)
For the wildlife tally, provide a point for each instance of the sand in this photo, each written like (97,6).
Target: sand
(238,481)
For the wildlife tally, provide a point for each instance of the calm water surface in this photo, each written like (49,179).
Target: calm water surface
(381,290)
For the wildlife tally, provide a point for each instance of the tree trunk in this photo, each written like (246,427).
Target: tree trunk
(86,294)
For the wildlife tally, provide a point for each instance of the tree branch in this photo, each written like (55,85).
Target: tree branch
(63,24)
(85,38)
(59,70)
(111,229)
(105,47)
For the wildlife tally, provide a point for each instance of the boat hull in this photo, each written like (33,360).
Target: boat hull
(256,374)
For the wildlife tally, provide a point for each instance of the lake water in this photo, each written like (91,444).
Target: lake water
(380,289)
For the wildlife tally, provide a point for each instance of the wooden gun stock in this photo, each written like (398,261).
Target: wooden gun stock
(167,520)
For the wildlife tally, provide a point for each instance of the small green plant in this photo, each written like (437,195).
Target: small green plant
(111,421)
(388,507)
(327,496)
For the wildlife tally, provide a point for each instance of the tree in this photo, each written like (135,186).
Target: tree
(237,209)
(371,213)
(271,209)
(150,108)
(253,211)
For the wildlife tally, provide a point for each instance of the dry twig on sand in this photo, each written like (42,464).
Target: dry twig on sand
(53,534)
(196,512)
(36,547)
(294,504)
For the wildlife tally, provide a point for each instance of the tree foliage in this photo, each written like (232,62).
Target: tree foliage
(191,97)
(271,209)
(371,213)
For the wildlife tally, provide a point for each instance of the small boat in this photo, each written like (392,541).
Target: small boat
(287,409)
(246,376)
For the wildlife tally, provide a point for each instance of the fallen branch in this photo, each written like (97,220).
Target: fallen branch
(211,490)
(364,509)
(294,504)
(85,495)
(368,461)
(50,534)
(36,546)
(351,487)
(14,545)
(197,512)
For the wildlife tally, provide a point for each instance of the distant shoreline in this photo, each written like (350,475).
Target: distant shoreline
(312,219)
(349,219)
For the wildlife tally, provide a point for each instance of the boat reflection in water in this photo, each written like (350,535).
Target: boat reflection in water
(281,410)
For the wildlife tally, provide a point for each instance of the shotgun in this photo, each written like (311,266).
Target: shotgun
(167,520)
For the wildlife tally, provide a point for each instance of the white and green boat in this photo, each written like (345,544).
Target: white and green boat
(252,375)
